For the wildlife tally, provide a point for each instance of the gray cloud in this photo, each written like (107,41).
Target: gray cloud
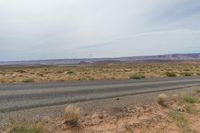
(96,28)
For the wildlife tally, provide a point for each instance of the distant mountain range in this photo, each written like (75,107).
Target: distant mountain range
(134,59)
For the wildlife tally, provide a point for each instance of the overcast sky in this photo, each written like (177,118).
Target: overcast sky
(51,29)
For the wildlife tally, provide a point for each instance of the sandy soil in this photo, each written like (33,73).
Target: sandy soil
(95,72)
(178,117)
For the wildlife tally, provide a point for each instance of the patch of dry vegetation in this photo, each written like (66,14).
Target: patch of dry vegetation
(26,127)
(189,99)
(72,115)
(137,76)
(96,72)
(162,99)
(181,115)
(198,91)
(170,74)
(178,116)
(180,119)
(27,80)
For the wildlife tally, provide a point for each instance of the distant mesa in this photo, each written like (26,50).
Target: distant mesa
(135,59)
(85,62)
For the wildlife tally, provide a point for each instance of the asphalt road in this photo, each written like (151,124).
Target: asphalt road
(17,97)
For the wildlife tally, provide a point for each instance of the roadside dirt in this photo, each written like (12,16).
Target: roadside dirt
(151,118)
(131,114)
(97,72)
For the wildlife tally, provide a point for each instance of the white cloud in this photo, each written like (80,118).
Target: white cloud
(35,29)
(149,43)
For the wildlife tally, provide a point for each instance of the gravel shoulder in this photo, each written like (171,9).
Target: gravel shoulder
(111,105)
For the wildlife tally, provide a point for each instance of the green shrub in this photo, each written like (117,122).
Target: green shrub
(198,74)
(70,72)
(198,91)
(137,76)
(21,71)
(2,73)
(170,74)
(179,117)
(186,70)
(60,71)
(186,74)
(189,99)
(28,80)
(26,128)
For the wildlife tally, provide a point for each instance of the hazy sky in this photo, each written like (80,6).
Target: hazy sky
(49,29)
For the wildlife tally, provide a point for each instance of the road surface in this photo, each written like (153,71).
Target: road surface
(17,97)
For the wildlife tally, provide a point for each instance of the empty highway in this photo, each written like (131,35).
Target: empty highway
(15,97)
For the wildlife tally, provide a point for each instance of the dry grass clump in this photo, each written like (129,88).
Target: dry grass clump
(170,74)
(72,115)
(181,109)
(198,74)
(70,72)
(189,99)
(187,74)
(180,118)
(97,72)
(185,103)
(175,97)
(198,91)
(21,71)
(162,99)
(28,128)
(137,76)
(28,80)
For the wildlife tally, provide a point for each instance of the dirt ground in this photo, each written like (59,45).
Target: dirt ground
(178,117)
(177,113)
(97,72)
